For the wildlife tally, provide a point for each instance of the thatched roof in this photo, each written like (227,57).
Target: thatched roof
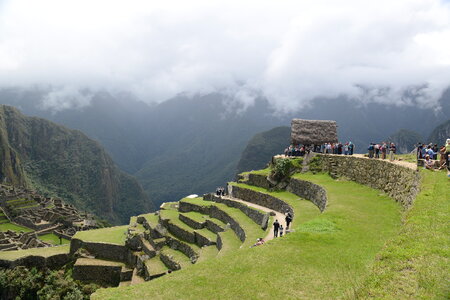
(308,132)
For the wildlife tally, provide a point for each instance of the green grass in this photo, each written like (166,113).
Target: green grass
(325,256)
(265,171)
(416,263)
(177,256)
(151,219)
(114,235)
(45,252)
(14,227)
(53,239)
(155,266)
(230,242)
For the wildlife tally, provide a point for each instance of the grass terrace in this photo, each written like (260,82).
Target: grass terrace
(53,239)
(45,252)
(14,227)
(113,235)
(252,230)
(327,256)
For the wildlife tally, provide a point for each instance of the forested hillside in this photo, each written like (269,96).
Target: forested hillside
(54,160)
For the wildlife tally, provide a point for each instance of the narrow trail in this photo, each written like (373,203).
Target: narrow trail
(402,163)
(278,216)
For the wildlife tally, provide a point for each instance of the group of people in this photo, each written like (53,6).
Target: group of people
(220,191)
(347,148)
(429,153)
(382,149)
(278,229)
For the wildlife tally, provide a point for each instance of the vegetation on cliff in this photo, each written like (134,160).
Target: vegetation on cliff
(56,161)
(440,134)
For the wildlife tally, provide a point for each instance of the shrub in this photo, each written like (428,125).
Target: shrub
(281,169)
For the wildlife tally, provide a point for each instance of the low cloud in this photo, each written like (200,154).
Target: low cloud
(393,52)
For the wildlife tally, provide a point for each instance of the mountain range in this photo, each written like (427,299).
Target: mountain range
(193,144)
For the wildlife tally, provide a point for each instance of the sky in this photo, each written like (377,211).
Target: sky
(291,52)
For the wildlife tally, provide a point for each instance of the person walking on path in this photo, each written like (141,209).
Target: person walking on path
(288,219)
(281,230)
(276,226)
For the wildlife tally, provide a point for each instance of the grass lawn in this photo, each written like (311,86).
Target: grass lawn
(53,239)
(14,227)
(324,258)
(416,263)
(46,252)
(114,235)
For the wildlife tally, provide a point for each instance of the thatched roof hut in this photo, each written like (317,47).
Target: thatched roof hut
(317,132)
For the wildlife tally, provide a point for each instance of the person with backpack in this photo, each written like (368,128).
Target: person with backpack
(288,219)
(371,150)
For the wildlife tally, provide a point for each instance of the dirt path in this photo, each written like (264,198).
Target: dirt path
(278,216)
(395,162)
(402,163)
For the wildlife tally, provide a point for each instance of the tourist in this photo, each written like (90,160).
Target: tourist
(371,149)
(428,163)
(346,149)
(377,150)
(288,219)
(419,151)
(392,150)
(383,150)
(259,242)
(423,151)
(351,147)
(280,230)
(442,161)
(447,153)
(436,151)
(431,152)
(276,226)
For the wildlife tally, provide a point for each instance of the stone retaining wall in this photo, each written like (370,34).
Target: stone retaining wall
(400,183)
(258,217)
(214,212)
(183,247)
(51,262)
(260,198)
(310,191)
(102,274)
(169,262)
(101,250)
(190,222)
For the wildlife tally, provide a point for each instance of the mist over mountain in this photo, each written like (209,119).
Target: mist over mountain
(193,144)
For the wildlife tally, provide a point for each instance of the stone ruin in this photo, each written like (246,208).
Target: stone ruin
(41,214)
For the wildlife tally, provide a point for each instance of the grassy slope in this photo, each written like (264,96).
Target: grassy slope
(416,263)
(320,260)
(113,235)
(14,227)
(12,255)
(53,239)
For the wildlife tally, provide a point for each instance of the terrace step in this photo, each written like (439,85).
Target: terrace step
(174,259)
(136,279)
(154,268)
(202,237)
(99,271)
(126,274)
(147,247)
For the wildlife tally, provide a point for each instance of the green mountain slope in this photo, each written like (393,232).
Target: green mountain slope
(440,134)
(55,160)
(405,140)
(262,147)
